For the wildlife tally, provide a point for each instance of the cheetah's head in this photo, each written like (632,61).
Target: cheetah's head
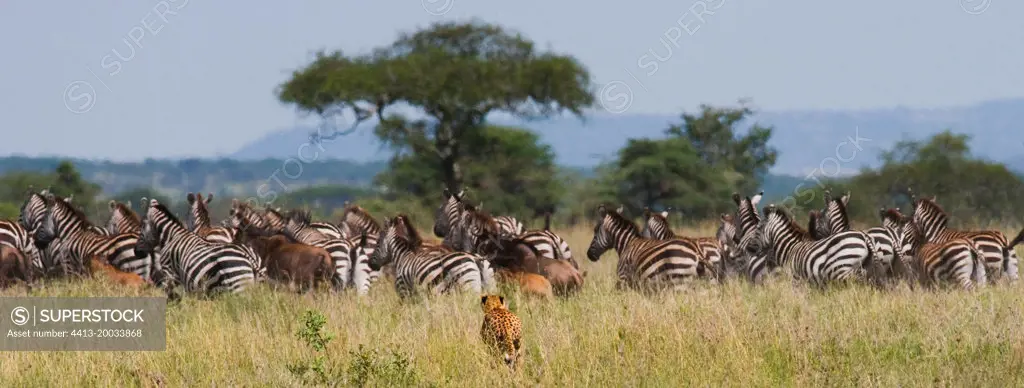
(491,302)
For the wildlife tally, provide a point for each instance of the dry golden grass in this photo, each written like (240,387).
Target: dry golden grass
(735,335)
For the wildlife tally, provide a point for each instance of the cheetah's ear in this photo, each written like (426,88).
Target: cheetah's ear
(502,300)
(483,299)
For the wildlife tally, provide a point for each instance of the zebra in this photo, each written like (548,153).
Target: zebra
(451,208)
(887,241)
(190,260)
(15,236)
(1000,257)
(749,253)
(831,221)
(435,270)
(122,218)
(30,218)
(350,254)
(79,242)
(199,220)
(644,264)
(957,260)
(466,235)
(839,257)
(716,249)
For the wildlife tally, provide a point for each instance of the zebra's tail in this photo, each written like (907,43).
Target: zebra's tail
(1010,257)
(486,274)
(978,273)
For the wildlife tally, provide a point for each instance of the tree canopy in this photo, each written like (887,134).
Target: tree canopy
(453,73)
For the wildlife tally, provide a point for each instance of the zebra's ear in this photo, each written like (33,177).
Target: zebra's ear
(128,204)
(112,204)
(191,198)
(647,212)
(460,194)
(725,217)
(620,209)
(234,202)
(664,214)
(736,198)
(757,198)
(447,194)
(602,211)
(845,198)
(209,197)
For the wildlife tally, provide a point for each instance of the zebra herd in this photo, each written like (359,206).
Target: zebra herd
(919,249)
(199,256)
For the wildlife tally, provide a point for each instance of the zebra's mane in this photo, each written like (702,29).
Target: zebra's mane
(167,213)
(930,206)
(618,220)
(360,213)
(893,215)
(787,220)
(812,223)
(406,230)
(299,216)
(127,212)
(482,218)
(74,211)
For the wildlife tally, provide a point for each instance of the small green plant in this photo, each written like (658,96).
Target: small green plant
(313,334)
(372,367)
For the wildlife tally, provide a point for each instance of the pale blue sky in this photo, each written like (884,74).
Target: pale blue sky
(203,83)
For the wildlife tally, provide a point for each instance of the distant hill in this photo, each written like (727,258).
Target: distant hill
(806,139)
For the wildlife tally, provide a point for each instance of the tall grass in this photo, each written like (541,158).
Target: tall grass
(734,335)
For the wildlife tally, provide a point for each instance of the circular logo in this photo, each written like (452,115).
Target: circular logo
(437,7)
(19,315)
(615,97)
(79,97)
(975,7)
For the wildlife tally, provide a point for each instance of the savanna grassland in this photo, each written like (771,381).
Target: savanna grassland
(779,334)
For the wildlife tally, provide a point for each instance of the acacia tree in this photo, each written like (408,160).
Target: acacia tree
(455,74)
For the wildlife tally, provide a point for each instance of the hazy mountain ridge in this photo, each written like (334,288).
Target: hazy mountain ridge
(806,139)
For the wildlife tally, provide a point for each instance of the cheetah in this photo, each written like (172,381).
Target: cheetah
(502,329)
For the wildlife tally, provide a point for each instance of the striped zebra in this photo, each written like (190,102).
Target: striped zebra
(122,218)
(31,217)
(199,220)
(79,242)
(957,261)
(716,249)
(451,208)
(999,254)
(749,253)
(468,230)
(887,242)
(434,270)
(840,257)
(644,264)
(15,236)
(190,260)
